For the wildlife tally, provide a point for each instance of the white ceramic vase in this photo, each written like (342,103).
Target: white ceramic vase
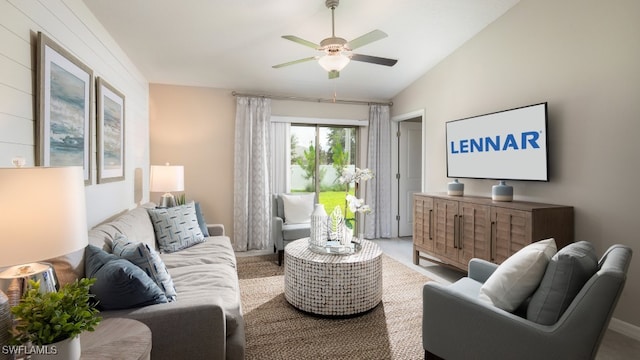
(68,349)
(318,234)
(346,236)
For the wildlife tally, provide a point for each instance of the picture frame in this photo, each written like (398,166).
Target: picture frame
(110,132)
(64,93)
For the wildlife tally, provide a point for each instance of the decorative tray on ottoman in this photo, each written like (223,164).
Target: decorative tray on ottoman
(334,247)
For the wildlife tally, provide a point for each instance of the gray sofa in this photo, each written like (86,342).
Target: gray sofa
(205,322)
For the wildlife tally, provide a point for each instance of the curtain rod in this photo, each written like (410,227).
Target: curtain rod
(319,100)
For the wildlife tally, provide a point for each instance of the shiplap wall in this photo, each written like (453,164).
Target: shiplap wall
(70,24)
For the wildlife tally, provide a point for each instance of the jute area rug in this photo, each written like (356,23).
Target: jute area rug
(276,330)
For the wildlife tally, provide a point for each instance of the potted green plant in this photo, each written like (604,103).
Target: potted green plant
(50,322)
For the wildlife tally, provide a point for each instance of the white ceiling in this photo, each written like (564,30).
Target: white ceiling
(232,44)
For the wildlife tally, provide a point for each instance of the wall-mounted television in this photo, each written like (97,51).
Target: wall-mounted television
(504,145)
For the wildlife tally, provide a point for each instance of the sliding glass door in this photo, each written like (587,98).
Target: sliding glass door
(319,153)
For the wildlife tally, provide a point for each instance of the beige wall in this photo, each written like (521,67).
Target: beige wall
(67,23)
(582,58)
(194,127)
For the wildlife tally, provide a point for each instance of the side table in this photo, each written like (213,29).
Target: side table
(117,338)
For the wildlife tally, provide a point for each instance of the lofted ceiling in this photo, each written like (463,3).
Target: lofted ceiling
(232,44)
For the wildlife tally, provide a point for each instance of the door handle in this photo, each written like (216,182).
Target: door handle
(430,224)
(491,241)
(461,231)
(456,231)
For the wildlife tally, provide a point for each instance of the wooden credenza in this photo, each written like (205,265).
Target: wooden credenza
(454,229)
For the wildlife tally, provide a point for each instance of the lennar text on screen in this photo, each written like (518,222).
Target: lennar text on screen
(495,143)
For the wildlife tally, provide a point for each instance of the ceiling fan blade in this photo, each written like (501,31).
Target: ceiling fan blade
(373,59)
(301,41)
(294,62)
(365,39)
(334,74)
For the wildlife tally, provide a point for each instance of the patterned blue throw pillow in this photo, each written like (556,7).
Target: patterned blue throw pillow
(147,259)
(119,284)
(201,221)
(176,227)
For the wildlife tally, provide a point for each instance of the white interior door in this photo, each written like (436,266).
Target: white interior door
(410,169)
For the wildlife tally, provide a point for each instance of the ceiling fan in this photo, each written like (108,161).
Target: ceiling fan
(338,51)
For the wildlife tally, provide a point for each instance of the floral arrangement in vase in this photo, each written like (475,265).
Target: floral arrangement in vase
(352,203)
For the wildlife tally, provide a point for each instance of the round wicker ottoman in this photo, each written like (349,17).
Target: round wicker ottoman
(331,284)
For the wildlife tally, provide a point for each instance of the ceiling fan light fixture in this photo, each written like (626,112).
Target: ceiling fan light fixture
(338,51)
(335,62)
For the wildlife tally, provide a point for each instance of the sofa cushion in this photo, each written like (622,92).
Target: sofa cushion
(147,259)
(466,286)
(136,226)
(208,281)
(298,208)
(215,250)
(119,283)
(566,274)
(176,228)
(102,236)
(518,276)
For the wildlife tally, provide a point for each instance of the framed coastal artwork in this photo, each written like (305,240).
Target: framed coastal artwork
(64,114)
(109,132)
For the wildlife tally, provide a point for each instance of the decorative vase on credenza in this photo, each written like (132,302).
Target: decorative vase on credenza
(455,188)
(502,192)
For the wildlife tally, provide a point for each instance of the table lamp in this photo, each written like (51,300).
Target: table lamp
(43,216)
(167,178)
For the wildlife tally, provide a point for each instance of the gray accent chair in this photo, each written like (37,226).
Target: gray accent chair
(282,233)
(456,325)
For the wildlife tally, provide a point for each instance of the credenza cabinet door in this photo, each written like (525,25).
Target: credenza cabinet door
(422,225)
(474,232)
(445,228)
(512,232)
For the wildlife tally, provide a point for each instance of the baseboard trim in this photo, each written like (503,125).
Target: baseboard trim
(625,328)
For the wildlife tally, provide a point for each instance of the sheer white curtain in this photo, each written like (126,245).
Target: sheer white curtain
(251,192)
(378,195)
(280,156)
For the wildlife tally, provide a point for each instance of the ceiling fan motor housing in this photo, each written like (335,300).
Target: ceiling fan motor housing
(333,45)
(332,4)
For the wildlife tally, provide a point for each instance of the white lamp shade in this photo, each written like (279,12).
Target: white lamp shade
(167,178)
(334,62)
(43,213)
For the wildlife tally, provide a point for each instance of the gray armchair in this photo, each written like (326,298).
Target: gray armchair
(456,325)
(282,233)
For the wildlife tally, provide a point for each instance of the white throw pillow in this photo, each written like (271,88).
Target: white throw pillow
(298,208)
(518,276)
